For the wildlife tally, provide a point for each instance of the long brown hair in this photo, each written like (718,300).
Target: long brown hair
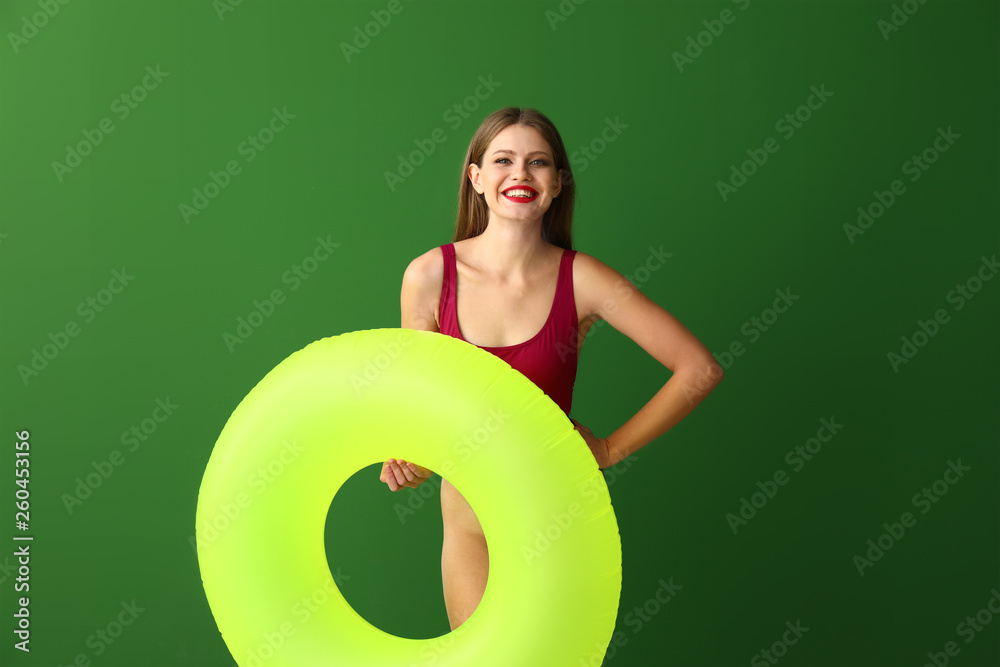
(474,214)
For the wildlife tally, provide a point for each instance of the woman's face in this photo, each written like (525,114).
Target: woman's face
(517,162)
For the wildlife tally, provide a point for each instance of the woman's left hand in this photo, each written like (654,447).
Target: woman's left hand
(599,447)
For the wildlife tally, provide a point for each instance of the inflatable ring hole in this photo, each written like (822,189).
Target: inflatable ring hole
(384,553)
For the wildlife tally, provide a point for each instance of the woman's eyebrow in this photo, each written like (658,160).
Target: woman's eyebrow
(504,150)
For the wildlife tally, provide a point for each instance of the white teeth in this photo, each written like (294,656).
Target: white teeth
(527,194)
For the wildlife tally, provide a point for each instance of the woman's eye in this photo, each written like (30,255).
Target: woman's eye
(541,162)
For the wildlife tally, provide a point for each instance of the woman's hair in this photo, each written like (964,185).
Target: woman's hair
(474,214)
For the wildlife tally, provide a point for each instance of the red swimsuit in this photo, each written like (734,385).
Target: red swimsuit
(549,358)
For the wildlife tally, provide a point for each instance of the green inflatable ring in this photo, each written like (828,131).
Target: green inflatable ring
(346,402)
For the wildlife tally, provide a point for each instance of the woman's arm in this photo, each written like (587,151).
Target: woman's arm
(603,291)
(418,303)
(421,291)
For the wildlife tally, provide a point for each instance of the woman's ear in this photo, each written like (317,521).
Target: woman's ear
(474,175)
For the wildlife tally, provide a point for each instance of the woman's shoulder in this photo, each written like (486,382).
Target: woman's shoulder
(589,267)
(594,282)
(425,271)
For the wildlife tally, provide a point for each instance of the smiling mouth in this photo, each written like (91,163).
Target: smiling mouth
(520,195)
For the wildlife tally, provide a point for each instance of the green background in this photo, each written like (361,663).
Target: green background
(654,186)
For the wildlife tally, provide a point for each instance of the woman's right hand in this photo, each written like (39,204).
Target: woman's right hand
(398,474)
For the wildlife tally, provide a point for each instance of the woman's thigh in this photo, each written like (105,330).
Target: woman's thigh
(464,556)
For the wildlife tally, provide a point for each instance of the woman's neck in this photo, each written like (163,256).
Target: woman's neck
(509,249)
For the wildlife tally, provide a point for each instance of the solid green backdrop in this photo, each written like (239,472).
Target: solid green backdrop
(192,191)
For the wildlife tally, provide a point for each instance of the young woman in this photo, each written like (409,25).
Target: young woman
(511,284)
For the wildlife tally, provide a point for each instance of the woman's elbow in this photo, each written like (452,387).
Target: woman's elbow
(703,375)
